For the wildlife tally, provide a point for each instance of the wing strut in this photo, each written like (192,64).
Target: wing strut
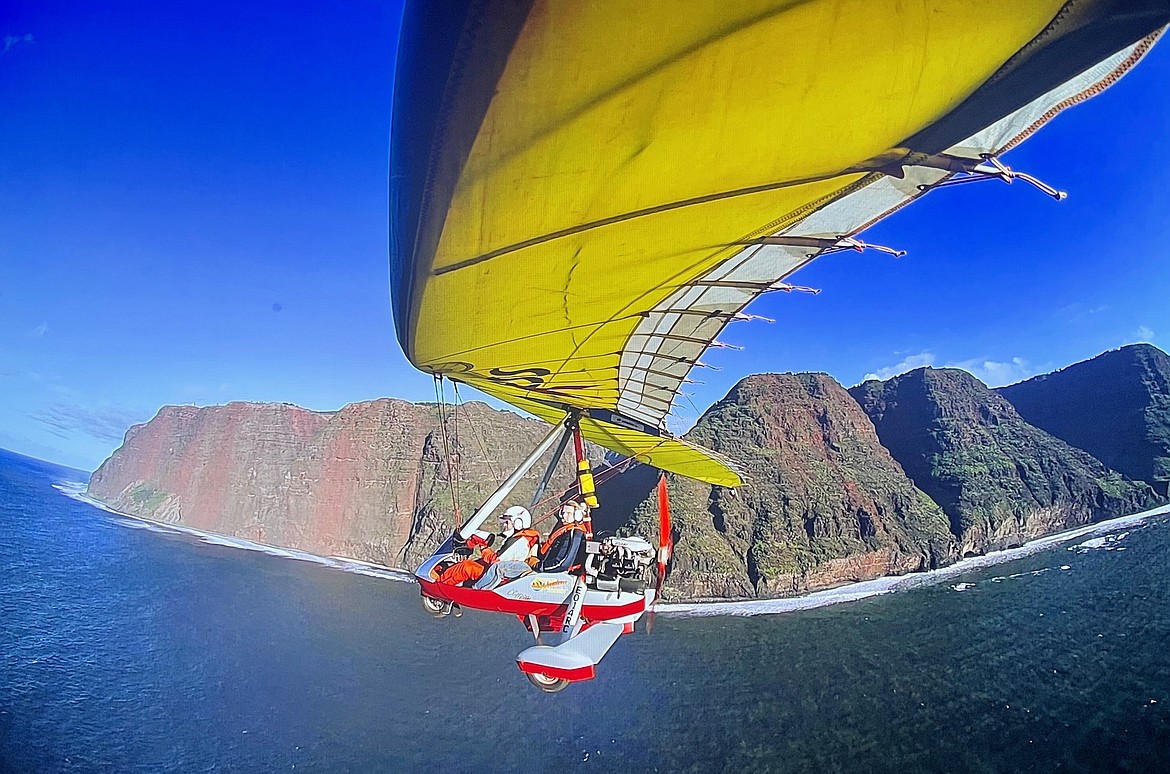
(471,525)
(548,472)
(584,474)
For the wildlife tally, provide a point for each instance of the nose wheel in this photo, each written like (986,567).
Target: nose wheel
(436,608)
(546,683)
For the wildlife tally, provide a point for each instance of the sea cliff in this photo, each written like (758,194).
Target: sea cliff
(842,485)
(371,481)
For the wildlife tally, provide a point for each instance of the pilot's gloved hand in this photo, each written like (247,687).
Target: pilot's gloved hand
(459,545)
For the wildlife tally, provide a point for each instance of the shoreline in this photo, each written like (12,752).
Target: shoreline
(835,595)
(888,584)
(343,563)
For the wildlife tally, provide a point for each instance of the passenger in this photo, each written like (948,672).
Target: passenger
(470,569)
(517,554)
(565,549)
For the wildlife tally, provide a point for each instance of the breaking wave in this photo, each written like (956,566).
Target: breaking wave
(1101,537)
(76,491)
(1105,542)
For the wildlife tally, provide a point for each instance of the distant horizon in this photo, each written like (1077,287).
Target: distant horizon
(496,405)
(55,464)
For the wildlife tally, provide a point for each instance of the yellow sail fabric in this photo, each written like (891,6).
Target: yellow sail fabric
(586,191)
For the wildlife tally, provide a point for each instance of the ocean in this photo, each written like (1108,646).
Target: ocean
(129,647)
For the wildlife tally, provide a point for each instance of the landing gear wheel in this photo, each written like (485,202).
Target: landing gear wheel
(436,608)
(546,683)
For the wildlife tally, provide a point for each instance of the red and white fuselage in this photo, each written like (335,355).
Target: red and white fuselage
(588,620)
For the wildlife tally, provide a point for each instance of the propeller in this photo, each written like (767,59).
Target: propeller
(664,547)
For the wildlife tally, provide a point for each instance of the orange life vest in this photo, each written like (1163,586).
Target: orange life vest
(560,531)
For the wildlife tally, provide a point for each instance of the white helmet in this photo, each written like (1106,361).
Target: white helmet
(518,516)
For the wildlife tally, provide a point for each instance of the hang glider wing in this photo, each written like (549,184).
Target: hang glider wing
(585,192)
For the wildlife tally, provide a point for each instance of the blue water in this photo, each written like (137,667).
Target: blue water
(124,649)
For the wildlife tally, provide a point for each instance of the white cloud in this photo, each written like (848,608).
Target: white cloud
(104,422)
(1079,311)
(908,363)
(1144,334)
(40,330)
(995,373)
(11,41)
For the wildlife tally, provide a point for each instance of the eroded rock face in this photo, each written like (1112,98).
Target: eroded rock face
(370,481)
(824,502)
(1115,406)
(1000,480)
(828,499)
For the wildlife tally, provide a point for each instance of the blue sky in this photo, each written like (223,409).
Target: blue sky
(193,210)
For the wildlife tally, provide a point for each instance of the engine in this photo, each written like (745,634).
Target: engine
(619,563)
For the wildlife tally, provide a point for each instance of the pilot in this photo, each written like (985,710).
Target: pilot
(517,554)
(472,568)
(565,549)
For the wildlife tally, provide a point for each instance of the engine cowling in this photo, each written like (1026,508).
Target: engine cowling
(619,563)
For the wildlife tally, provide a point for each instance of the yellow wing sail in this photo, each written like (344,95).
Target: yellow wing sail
(585,192)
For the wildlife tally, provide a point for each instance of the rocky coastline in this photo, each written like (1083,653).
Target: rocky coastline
(887,478)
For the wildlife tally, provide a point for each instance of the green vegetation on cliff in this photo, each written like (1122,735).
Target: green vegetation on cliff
(820,492)
(825,501)
(999,479)
(147,498)
(1115,406)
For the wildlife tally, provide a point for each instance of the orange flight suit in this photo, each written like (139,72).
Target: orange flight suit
(468,570)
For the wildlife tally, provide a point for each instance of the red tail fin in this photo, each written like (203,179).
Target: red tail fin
(664,541)
(665,545)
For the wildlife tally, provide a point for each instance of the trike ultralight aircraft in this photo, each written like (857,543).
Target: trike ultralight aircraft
(584,193)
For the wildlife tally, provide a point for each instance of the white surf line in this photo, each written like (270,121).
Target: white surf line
(1106,542)
(834,596)
(75,490)
(888,584)
(343,563)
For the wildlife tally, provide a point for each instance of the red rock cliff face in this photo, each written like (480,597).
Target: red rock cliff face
(824,502)
(369,481)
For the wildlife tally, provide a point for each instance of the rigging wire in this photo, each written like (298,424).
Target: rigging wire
(458,456)
(618,467)
(557,496)
(479,439)
(440,400)
(698,413)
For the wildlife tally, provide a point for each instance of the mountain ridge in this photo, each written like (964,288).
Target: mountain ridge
(832,496)
(1116,406)
(1001,480)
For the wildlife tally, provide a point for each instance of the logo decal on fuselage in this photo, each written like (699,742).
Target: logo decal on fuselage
(574,611)
(556,583)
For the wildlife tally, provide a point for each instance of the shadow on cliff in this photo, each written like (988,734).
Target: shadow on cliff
(621,494)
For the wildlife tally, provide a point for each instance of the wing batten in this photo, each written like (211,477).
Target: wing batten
(603,210)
